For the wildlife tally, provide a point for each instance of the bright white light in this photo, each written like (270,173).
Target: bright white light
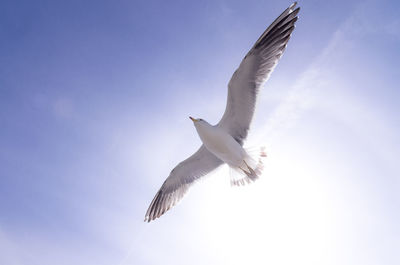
(280,220)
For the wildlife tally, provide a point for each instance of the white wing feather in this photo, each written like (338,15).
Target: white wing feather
(253,72)
(180,179)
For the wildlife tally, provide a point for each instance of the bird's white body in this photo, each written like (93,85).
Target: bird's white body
(221,144)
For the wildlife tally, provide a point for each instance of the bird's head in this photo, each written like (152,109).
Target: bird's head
(195,120)
(198,122)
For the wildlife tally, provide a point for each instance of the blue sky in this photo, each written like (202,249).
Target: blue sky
(94,105)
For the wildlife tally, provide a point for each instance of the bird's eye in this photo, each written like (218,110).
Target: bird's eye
(200,119)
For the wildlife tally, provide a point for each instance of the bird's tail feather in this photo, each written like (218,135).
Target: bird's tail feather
(250,169)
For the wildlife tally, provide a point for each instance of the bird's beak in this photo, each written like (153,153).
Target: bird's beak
(193,119)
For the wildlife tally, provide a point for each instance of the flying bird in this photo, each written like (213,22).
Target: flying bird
(223,142)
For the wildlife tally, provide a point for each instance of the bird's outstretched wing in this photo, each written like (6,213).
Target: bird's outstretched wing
(253,72)
(180,179)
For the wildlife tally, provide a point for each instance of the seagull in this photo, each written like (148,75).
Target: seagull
(223,142)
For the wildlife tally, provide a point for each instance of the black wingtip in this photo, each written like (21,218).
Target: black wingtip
(293,5)
(297,10)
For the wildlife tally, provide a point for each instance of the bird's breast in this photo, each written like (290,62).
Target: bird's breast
(222,145)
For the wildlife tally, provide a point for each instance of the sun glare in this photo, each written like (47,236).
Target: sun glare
(279,220)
